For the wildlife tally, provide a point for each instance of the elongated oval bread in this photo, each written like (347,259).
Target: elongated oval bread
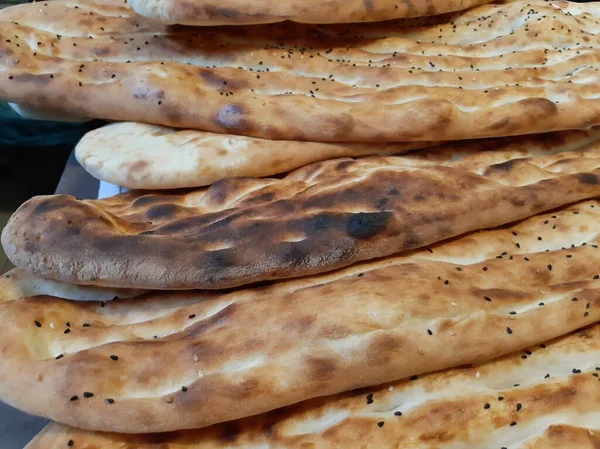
(239,12)
(178,360)
(497,70)
(545,397)
(140,156)
(318,218)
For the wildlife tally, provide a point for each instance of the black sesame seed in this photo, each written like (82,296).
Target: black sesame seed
(74,398)
(573,299)
(360,275)
(86,325)
(58,357)
(586,313)
(184,389)
(541,304)
(509,330)
(114,357)
(547,376)
(192,316)
(519,407)
(66,331)
(87,394)
(380,423)
(370,398)
(597,276)
(70,443)
(487,298)
(398,413)
(512,312)
(576,371)
(543,346)
(429,332)
(514,423)
(484,268)
(37,323)
(500,398)
(414,377)
(549,267)
(110,401)
(486,406)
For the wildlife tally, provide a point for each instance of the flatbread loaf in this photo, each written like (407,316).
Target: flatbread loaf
(19,283)
(497,70)
(318,218)
(239,12)
(545,397)
(140,156)
(177,360)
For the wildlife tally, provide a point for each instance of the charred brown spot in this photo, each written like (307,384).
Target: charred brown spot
(296,256)
(101,51)
(138,166)
(364,225)
(41,80)
(162,212)
(320,368)
(146,93)
(343,165)
(499,124)
(503,166)
(411,240)
(318,223)
(381,203)
(517,202)
(368,4)
(265,197)
(300,325)
(211,78)
(419,197)
(588,178)
(216,261)
(232,117)
(541,107)
(383,348)
(48,205)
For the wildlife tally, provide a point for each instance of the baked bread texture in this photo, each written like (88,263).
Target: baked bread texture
(318,218)
(496,70)
(150,157)
(239,12)
(175,360)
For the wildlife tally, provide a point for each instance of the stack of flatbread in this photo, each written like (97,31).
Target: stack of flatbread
(354,223)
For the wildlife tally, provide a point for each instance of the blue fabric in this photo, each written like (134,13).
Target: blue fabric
(18,131)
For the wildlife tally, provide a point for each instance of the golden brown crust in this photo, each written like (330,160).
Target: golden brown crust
(321,217)
(252,350)
(240,12)
(494,71)
(545,397)
(141,156)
